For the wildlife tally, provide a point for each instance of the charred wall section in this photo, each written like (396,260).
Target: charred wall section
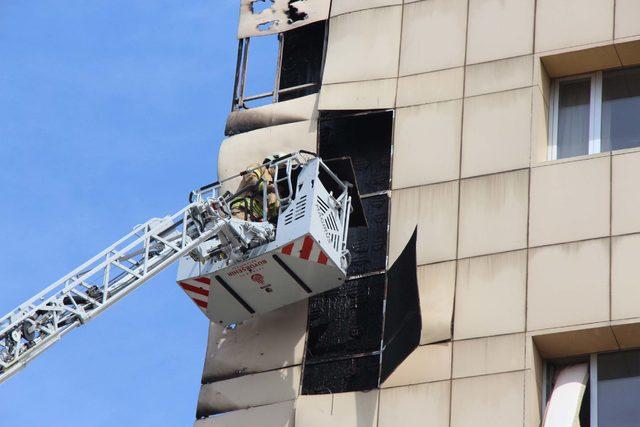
(353,341)
(366,138)
(346,324)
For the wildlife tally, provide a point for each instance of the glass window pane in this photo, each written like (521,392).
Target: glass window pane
(619,389)
(573,118)
(620,109)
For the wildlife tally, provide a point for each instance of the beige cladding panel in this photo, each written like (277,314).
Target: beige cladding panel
(365,95)
(541,77)
(627,18)
(341,7)
(490,295)
(568,284)
(427,144)
(416,405)
(567,23)
(434,210)
(581,61)
(275,19)
(291,111)
(570,201)
(534,382)
(499,29)
(629,52)
(270,341)
(436,285)
(356,409)
(405,206)
(493,213)
(539,127)
(244,392)
(572,341)
(533,358)
(498,76)
(363,45)
(625,276)
(627,334)
(433,36)
(625,196)
(426,88)
(239,151)
(427,363)
(496,132)
(533,398)
(488,401)
(277,415)
(490,355)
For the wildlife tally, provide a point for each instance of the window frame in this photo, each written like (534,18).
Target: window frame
(592,359)
(595,113)
(593,384)
(240,98)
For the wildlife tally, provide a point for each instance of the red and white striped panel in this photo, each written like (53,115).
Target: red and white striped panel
(198,290)
(307,249)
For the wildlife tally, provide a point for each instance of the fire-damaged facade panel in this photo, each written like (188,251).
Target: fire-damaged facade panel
(262,17)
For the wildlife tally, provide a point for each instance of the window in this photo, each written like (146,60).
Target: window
(595,113)
(279,67)
(617,390)
(611,395)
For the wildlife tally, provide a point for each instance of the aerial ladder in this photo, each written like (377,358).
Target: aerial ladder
(232,269)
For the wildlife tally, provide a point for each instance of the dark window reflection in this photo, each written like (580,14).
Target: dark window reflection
(620,110)
(619,389)
(573,118)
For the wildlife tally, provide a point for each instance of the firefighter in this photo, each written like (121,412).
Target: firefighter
(248,202)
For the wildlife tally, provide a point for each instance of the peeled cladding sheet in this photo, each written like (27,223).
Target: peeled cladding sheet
(256,19)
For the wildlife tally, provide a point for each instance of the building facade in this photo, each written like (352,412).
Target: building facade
(505,132)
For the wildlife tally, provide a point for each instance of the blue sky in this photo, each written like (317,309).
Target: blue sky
(110,112)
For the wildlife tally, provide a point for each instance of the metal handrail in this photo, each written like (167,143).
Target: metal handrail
(290,161)
(241,101)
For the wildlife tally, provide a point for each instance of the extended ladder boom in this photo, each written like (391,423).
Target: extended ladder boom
(97,284)
(257,271)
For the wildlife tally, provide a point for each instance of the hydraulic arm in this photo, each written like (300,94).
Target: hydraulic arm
(93,287)
(232,268)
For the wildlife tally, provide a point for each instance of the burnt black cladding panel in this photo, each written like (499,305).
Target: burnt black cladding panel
(346,321)
(341,376)
(368,245)
(366,138)
(402,319)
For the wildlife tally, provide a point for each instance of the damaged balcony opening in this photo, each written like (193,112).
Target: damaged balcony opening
(279,67)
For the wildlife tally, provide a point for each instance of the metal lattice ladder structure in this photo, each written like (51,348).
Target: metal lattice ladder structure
(209,241)
(97,284)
